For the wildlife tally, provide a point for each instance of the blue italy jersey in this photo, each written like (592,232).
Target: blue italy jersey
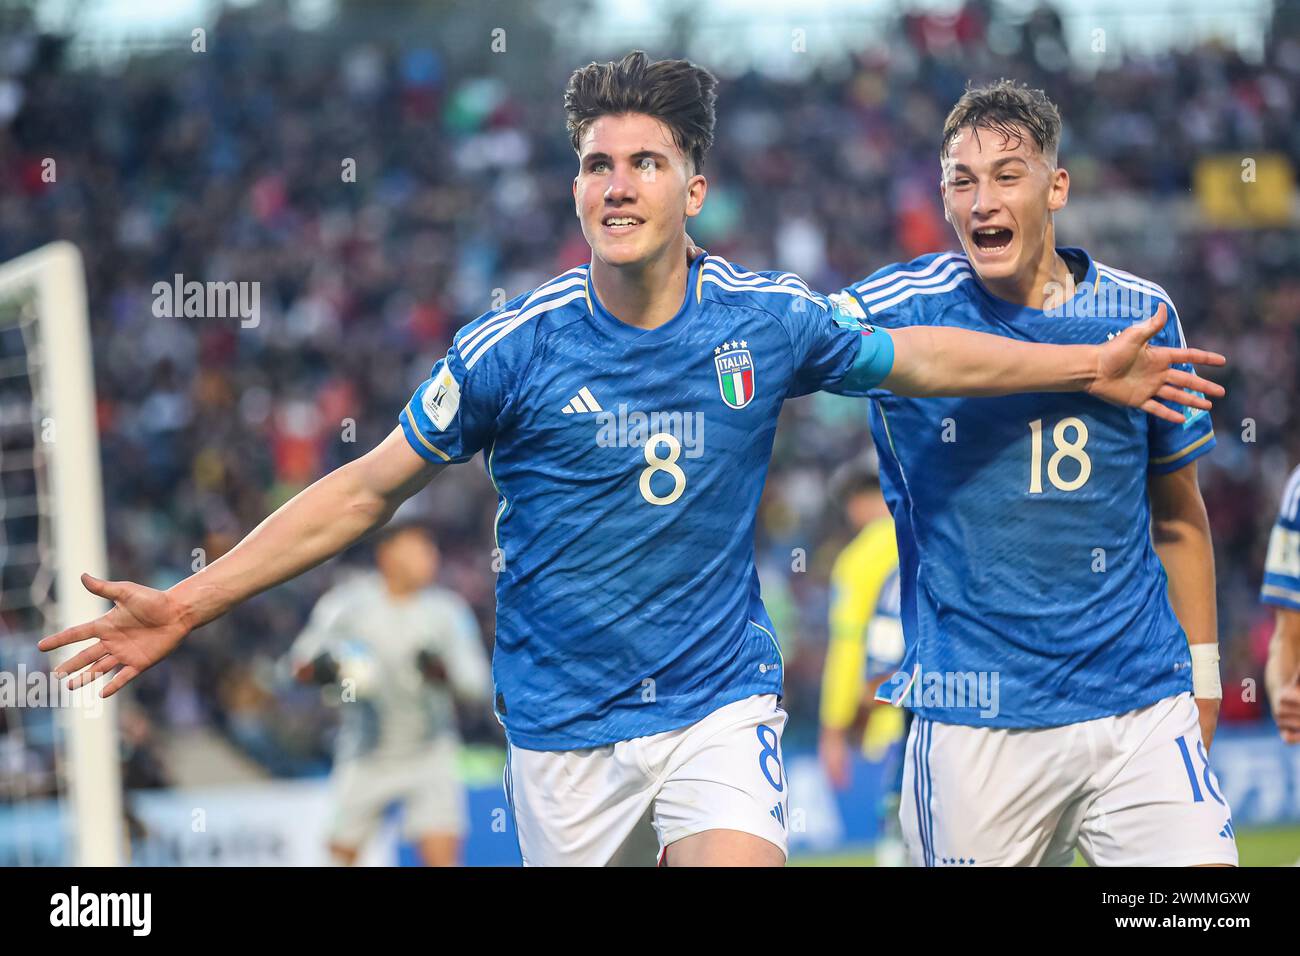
(1282,567)
(629,465)
(1032,595)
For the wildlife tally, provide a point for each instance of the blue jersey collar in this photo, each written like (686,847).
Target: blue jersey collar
(1074,258)
(670,329)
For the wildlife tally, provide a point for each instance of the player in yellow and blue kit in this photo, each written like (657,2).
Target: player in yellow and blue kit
(865,647)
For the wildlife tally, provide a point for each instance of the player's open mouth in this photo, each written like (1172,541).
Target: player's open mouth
(992,238)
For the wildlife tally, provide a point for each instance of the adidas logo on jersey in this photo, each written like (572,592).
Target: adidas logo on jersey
(778,813)
(584,401)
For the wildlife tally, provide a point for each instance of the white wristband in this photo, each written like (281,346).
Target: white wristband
(1205,671)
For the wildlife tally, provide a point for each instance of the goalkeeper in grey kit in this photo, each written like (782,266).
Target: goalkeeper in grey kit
(401,654)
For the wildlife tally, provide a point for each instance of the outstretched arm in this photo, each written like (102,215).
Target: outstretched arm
(145,625)
(933,361)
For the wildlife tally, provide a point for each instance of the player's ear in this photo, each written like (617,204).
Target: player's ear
(696,189)
(577,211)
(1060,190)
(943,200)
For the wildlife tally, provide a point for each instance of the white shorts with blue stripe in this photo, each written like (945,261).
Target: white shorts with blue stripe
(1135,789)
(725,771)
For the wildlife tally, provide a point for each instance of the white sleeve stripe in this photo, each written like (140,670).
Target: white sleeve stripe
(920,290)
(1137,285)
(913,274)
(555,285)
(731,267)
(785,278)
(941,277)
(1121,274)
(750,279)
(1277,591)
(788,290)
(789,278)
(480,350)
(741,276)
(1152,293)
(481,332)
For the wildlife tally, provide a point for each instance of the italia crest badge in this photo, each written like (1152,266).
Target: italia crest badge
(735,373)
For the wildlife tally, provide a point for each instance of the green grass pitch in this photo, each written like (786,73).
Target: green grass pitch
(1263,846)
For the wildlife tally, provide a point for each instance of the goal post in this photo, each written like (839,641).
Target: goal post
(64,458)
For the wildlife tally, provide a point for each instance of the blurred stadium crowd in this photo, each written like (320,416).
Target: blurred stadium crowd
(229,166)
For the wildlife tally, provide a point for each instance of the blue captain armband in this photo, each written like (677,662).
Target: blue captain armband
(874,362)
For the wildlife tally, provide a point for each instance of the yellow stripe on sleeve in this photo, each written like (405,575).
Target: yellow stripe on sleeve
(424,441)
(1166,459)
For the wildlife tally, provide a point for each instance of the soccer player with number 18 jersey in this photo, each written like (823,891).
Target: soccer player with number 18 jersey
(625,411)
(1057,571)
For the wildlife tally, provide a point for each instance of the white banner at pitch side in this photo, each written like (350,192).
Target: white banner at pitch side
(283,823)
(280,823)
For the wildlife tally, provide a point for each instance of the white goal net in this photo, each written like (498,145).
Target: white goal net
(60,795)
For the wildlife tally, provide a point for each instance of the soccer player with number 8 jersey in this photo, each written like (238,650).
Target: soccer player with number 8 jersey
(625,411)
(1057,571)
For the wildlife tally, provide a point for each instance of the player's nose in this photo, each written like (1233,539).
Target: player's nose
(621,188)
(984,203)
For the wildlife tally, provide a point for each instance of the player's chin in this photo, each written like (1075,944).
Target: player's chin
(1001,265)
(629,251)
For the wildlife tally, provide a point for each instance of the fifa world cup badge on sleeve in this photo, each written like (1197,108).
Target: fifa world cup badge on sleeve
(846,311)
(441,399)
(735,373)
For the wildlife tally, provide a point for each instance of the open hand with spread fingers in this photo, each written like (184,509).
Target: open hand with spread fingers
(1133,372)
(143,626)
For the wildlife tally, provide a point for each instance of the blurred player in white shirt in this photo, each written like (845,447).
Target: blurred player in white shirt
(401,653)
(1282,589)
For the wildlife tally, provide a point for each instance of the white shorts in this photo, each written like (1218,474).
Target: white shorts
(576,807)
(1130,790)
(427,785)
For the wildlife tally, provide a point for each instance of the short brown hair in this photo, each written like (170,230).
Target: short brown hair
(1008,108)
(676,92)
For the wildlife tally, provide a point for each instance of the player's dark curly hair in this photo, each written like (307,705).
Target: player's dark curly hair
(1009,109)
(676,92)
